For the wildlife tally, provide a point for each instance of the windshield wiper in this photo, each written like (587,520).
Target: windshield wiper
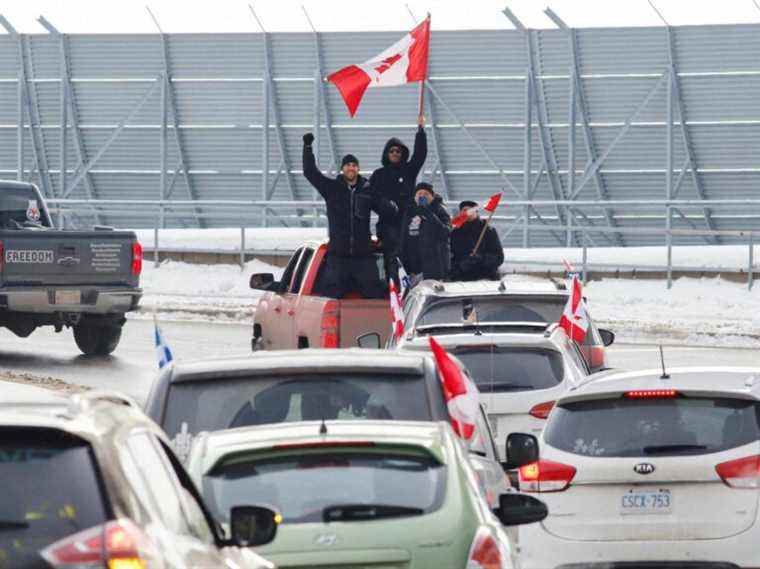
(363,512)
(13,524)
(665,449)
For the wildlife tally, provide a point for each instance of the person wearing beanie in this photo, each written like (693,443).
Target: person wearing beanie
(395,180)
(425,250)
(350,264)
(485,263)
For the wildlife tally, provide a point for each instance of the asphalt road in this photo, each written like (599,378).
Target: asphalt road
(132,367)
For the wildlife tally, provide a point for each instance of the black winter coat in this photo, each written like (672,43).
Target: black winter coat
(489,257)
(348,211)
(396,181)
(425,240)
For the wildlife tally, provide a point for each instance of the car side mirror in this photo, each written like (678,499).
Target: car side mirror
(369,340)
(517,509)
(251,526)
(521,449)
(608,336)
(261,281)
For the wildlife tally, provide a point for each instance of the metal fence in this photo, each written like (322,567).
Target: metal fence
(658,114)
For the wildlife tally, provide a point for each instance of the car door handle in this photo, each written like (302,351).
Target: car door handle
(291,312)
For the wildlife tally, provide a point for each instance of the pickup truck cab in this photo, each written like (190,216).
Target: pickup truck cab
(290,315)
(86,280)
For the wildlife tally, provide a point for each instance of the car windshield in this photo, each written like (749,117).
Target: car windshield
(493,309)
(649,427)
(19,205)
(302,486)
(496,369)
(35,512)
(227,403)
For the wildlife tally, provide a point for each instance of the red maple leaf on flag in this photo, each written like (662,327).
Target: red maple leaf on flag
(387,63)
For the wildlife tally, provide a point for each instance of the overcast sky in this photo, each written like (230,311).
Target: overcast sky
(130,16)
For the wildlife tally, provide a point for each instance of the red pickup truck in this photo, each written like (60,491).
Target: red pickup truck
(290,315)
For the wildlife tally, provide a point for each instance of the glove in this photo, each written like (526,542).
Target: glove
(308,138)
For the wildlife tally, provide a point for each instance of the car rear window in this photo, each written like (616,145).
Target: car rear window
(226,403)
(18,206)
(624,427)
(300,486)
(497,369)
(50,490)
(484,310)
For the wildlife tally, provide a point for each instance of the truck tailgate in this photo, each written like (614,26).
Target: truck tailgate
(31,257)
(361,316)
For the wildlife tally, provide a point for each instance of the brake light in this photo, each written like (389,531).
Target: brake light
(741,473)
(118,544)
(545,476)
(137,258)
(329,333)
(651,394)
(486,551)
(542,410)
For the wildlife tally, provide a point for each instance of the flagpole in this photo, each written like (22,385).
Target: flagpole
(421,101)
(482,233)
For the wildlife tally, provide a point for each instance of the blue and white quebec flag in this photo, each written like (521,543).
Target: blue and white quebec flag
(163,353)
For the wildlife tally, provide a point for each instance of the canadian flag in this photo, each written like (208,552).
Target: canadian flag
(574,319)
(493,203)
(460,393)
(404,62)
(396,315)
(460,220)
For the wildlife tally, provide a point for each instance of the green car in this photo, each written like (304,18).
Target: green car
(361,494)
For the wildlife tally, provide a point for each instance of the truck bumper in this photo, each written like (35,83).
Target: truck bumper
(49,300)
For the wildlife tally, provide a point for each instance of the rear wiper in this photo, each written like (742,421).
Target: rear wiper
(664,449)
(363,512)
(13,524)
(503,386)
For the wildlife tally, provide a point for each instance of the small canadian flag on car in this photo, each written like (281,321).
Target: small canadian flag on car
(574,319)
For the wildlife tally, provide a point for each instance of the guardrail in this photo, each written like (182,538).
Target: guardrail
(237,212)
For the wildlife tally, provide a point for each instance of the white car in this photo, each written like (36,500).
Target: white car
(519,375)
(647,469)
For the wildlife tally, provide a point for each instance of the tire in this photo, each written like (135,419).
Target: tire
(94,340)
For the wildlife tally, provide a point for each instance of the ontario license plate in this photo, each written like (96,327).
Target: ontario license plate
(636,502)
(68,297)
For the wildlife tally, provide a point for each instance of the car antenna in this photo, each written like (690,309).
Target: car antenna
(665,374)
(323,427)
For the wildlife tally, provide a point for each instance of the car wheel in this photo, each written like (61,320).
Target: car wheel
(94,340)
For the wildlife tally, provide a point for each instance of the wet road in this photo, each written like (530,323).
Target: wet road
(132,367)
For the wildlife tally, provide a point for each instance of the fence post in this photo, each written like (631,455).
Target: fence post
(669,243)
(750,276)
(155,243)
(242,247)
(585,257)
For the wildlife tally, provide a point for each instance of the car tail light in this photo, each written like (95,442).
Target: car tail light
(329,336)
(741,473)
(542,410)
(137,258)
(545,476)
(487,552)
(115,545)
(651,394)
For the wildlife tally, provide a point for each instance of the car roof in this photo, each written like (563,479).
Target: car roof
(218,444)
(522,286)
(506,339)
(742,382)
(312,360)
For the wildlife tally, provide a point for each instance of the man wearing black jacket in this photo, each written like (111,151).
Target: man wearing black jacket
(395,180)
(350,263)
(425,250)
(485,263)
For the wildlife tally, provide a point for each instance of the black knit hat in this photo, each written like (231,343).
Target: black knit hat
(467,203)
(424,186)
(349,158)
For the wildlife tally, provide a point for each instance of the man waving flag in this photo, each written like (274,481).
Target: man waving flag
(574,319)
(405,61)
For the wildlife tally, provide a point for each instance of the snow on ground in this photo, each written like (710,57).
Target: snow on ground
(706,311)
(288,239)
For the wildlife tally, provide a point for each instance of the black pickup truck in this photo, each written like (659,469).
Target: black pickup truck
(86,280)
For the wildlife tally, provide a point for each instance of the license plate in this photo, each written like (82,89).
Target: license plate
(636,502)
(68,297)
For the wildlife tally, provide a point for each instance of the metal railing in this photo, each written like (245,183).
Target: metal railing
(311,213)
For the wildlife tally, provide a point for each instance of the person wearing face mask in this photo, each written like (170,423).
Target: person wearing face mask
(485,262)
(425,250)
(350,264)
